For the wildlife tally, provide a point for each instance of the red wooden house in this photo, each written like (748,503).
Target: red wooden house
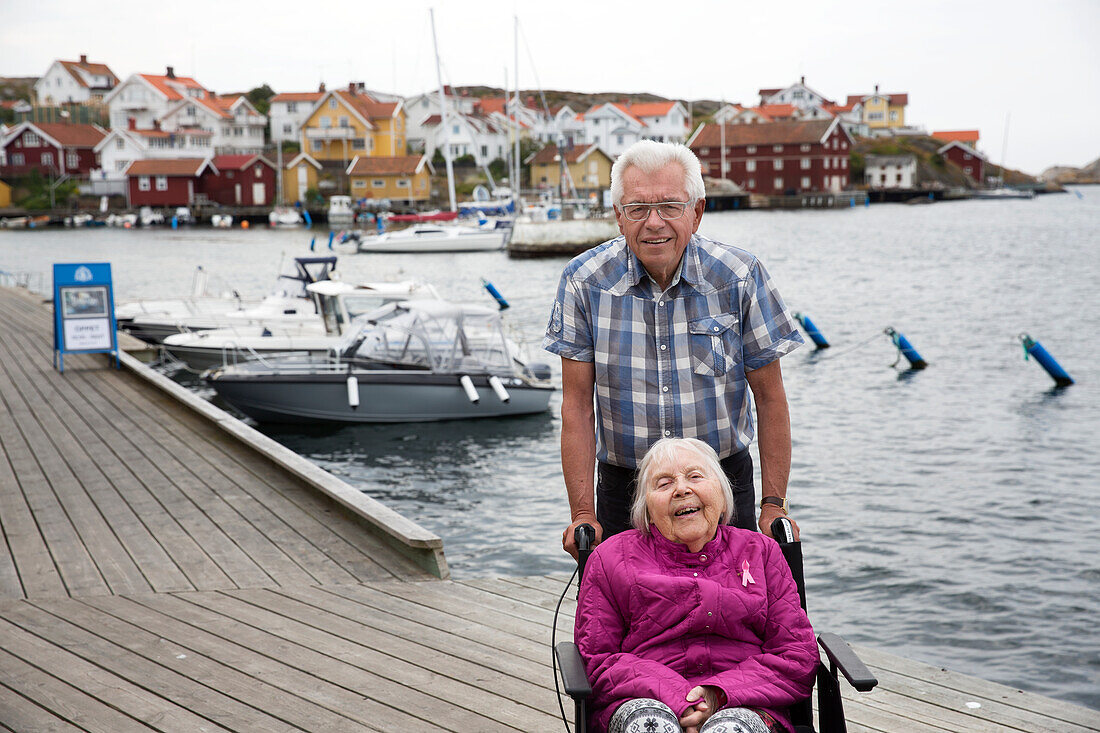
(51,148)
(166,181)
(967,158)
(777,157)
(240,180)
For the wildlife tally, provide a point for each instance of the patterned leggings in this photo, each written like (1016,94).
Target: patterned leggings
(644,715)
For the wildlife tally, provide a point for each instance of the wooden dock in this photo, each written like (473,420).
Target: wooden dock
(163,567)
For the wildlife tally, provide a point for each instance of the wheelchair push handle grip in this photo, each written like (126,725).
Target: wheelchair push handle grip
(584,535)
(783,531)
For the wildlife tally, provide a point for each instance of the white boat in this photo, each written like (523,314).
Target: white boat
(221,221)
(432,238)
(340,211)
(284,216)
(1003,193)
(155,319)
(148,217)
(337,304)
(412,361)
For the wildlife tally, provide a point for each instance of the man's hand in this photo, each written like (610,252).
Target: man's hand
(707,705)
(568,542)
(768,514)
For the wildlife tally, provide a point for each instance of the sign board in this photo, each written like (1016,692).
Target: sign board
(84,311)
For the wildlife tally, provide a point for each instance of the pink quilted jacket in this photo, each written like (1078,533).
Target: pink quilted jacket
(655,620)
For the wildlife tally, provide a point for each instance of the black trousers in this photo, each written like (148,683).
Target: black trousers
(615,492)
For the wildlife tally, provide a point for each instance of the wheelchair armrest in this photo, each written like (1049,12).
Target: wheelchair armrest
(842,656)
(573,676)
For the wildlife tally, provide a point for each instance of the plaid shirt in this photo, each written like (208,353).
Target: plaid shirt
(670,364)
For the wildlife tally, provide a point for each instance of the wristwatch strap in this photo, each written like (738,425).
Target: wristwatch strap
(779,501)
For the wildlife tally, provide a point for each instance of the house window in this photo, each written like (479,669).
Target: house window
(358,183)
(899,178)
(826,164)
(143,183)
(121,165)
(843,162)
(120,144)
(752,183)
(72,160)
(967,170)
(190,111)
(843,145)
(805,182)
(288,129)
(484,151)
(966,156)
(726,168)
(454,129)
(778,165)
(777,148)
(874,116)
(893,115)
(619,138)
(291,106)
(704,151)
(30,140)
(326,122)
(47,158)
(344,122)
(778,184)
(162,183)
(332,103)
(316,145)
(230,175)
(804,148)
(883,178)
(358,144)
(378,183)
(750,165)
(750,149)
(805,164)
(402,182)
(17,159)
(259,172)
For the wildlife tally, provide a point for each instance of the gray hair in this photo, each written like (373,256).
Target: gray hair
(663,450)
(650,156)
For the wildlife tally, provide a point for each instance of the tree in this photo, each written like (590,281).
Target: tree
(260,97)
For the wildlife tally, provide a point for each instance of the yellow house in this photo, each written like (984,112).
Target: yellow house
(882,110)
(589,168)
(300,175)
(398,178)
(5,195)
(349,123)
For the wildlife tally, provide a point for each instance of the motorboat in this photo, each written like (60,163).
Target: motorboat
(435,215)
(340,211)
(427,237)
(337,304)
(285,217)
(148,217)
(221,221)
(1003,193)
(156,319)
(409,361)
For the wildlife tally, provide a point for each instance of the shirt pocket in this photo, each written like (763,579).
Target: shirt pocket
(712,339)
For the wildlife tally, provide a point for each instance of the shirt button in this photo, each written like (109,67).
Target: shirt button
(663,347)
(660,302)
(664,389)
(703,557)
(716,328)
(710,613)
(696,574)
(668,433)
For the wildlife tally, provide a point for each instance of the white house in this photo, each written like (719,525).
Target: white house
(75,81)
(664,121)
(486,138)
(612,127)
(797,94)
(121,147)
(890,171)
(289,111)
(237,128)
(145,98)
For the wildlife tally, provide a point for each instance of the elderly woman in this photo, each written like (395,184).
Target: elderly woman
(686,623)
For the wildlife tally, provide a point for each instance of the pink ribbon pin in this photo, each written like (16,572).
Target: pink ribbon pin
(746,576)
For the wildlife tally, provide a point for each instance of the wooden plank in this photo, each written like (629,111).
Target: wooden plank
(20,715)
(364,696)
(81,629)
(462,705)
(98,683)
(158,639)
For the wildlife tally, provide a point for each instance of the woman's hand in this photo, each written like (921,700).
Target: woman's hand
(707,704)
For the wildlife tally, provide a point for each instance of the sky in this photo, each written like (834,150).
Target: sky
(1032,68)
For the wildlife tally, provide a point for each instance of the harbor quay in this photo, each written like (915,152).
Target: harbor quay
(166,567)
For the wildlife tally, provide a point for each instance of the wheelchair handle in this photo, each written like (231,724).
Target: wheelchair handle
(783,531)
(584,535)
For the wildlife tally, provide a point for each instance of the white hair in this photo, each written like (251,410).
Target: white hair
(664,450)
(650,156)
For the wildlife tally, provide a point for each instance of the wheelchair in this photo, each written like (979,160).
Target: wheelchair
(842,660)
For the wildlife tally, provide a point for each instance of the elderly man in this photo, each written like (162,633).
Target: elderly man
(670,331)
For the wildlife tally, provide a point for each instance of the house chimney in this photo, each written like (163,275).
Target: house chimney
(131,123)
(876,90)
(321,87)
(83,59)
(802,81)
(171,73)
(156,124)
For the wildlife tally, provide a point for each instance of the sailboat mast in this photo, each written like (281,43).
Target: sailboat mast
(515,123)
(1004,148)
(443,118)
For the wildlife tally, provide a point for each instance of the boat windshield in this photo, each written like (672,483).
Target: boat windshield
(435,335)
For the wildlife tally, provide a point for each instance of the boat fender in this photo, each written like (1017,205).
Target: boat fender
(906,349)
(312,244)
(308,218)
(498,387)
(353,392)
(471,391)
(495,293)
(1033,348)
(331,236)
(811,330)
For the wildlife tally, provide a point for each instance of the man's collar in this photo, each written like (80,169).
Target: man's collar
(689,270)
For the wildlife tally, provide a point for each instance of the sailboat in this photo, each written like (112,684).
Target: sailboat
(1002,191)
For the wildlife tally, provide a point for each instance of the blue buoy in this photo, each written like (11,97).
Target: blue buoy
(312,243)
(1048,362)
(309,220)
(867,201)
(379,224)
(331,236)
(175,222)
(495,293)
(906,349)
(811,330)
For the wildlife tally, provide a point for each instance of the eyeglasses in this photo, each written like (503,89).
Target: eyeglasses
(667,210)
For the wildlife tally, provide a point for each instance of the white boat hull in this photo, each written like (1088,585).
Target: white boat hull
(440,240)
